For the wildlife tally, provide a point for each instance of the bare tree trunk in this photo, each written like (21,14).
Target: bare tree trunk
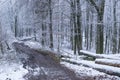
(1,46)
(79,34)
(119,41)
(72,24)
(76,22)
(86,29)
(73,7)
(50,25)
(100,38)
(114,48)
(16,25)
(100,27)
(43,31)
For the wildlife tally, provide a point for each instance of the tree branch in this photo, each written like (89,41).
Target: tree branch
(94,4)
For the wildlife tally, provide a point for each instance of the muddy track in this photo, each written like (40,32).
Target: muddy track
(49,68)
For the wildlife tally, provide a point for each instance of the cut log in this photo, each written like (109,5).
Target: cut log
(94,55)
(102,68)
(115,63)
(90,54)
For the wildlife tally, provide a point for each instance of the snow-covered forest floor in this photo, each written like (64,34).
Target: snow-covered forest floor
(12,69)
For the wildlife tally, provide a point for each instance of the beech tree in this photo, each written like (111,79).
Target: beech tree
(99,7)
(76,23)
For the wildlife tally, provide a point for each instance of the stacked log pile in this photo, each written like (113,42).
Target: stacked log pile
(103,63)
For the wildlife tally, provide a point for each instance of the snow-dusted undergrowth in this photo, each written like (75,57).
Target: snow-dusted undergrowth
(11,68)
(12,71)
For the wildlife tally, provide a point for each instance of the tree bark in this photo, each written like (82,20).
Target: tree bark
(102,68)
(16,25)
(109,62)
(76,19)
(94,55)
(79,34)
(50,24)
(114,48)
(100,27)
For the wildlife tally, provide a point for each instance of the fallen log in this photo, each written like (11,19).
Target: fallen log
(115,63)
(102,68)
(94,55)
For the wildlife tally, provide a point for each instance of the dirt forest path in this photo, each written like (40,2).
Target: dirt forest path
(49,69)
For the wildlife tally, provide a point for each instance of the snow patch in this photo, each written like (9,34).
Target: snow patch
(93,65)
(81,70)
(33,44)
(12,72)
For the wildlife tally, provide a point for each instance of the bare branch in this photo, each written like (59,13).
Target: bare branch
(93,4)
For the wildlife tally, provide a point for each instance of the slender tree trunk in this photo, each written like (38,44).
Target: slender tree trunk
(76,16)
(1,46)
(79,34)
(43,31)
(75,27)
(114,48)
(72,25)
(50,25)
(86,30)
(119,41)
(16,25)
